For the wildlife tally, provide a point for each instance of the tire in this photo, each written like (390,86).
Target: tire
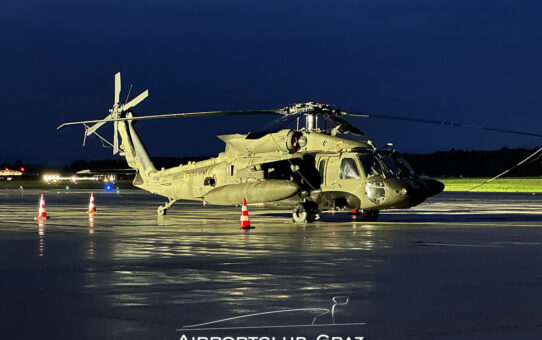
(370,215)
(300,214)
(161,211)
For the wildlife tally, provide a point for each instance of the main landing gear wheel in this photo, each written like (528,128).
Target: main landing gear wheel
(370,215)
(304,213)
(162,210)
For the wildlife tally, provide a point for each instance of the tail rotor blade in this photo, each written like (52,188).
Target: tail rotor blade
(96,126)
(136,100)
(117,89)
(115,139)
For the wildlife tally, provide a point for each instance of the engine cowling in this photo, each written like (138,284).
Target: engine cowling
(295,140)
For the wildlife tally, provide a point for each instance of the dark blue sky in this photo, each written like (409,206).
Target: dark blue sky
(468,61)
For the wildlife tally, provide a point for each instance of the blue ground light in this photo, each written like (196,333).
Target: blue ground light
(108,187)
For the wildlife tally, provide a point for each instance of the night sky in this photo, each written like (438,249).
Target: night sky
(468,61)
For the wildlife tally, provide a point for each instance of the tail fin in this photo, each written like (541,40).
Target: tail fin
(135,153)
(131,147)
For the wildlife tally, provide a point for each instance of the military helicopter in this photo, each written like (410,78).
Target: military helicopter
(307,169)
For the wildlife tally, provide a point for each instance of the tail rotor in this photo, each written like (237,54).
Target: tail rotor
(116,112)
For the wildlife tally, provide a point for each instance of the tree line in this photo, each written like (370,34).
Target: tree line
(473,163)
(452,163)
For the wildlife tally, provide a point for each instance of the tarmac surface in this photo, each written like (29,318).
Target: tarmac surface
(460,266)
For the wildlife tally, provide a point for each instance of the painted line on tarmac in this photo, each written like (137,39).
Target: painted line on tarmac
(519,243)
(460,245)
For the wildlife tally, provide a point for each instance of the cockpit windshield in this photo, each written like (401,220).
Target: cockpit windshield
(403,164)
(385,164)
(390,164)
(370,165)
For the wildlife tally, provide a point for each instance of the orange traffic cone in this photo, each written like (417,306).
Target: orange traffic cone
(91,205)
(244,223)
(42,214)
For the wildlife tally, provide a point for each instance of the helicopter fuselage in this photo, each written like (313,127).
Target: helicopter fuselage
(289,168)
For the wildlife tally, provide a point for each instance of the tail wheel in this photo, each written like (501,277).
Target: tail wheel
(162,210)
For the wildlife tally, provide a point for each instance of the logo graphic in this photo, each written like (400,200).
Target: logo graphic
(316,321)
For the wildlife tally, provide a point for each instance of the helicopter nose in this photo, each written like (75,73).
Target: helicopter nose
(409,192)
(433,186)
(422,188)
(403,193)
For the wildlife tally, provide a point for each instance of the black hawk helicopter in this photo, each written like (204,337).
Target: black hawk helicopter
(306,169)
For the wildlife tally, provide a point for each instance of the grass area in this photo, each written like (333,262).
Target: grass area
(528,184)
(38,184)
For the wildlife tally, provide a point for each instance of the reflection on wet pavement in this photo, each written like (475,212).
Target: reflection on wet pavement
(461,264)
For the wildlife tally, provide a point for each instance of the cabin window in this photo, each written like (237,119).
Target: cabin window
(348,169)
(231,170)
(321,170)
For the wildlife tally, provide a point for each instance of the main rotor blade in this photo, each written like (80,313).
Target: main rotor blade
(117,89)
(171,115)
(278,123)
(136,100)
(345,126)
(444,123)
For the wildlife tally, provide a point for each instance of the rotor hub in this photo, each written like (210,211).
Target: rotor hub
(312,110)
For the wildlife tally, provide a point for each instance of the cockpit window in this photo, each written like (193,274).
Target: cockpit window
(390,164)
(349,169)
(369,164)
(381,164)
(403,164)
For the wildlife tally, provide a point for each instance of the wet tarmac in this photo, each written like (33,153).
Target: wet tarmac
(461,266)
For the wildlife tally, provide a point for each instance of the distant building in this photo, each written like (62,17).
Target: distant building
(55,178)
(7,174)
